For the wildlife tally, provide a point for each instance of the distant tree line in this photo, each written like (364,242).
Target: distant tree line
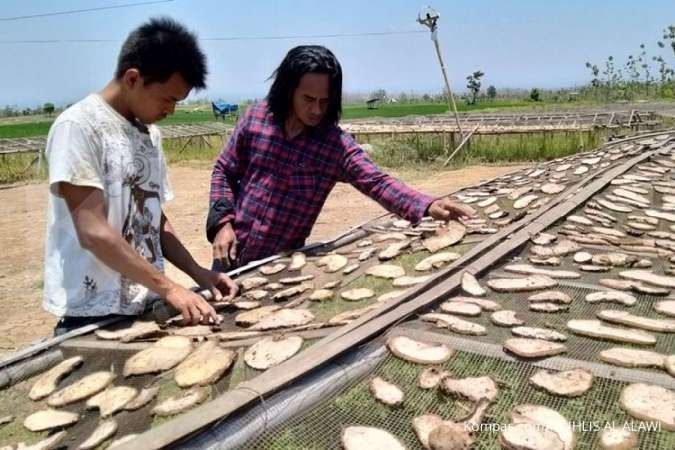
(641,75)
(14,111)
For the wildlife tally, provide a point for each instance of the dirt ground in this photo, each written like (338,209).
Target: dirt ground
(22,231)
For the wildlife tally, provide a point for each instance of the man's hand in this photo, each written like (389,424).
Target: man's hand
(192,307)
(220,285)
(225,246)
(446,209)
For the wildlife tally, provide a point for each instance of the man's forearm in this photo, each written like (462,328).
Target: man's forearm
(175,252)
(116,253)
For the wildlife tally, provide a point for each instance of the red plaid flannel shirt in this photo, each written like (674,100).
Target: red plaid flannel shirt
(273,188)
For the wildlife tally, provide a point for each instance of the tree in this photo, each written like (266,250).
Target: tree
(491,92)
(379,93)
(595,82)
(48,108)
(669,35)
(473,85)
(534,94)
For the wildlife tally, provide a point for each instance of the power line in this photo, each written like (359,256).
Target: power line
(77,11)
(230,38)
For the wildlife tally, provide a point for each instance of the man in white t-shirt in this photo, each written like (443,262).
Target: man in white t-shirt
(107,236)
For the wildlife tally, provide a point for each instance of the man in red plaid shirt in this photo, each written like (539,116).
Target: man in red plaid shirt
(286,154)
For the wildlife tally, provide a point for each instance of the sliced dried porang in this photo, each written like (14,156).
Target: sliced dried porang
(332,263)
(283,318)
(423,426)
(538,333)
(357,294)
(112,400)
(436,261)
(550,297)
(271,269)
(164,354)
(450,234)
(454,323)
(407,281)
(135,330)
(487,305)
(101,433)
(370,438)
(386,392)
(292,291)
(320,295)
(649,278)
(665,307)
(505,318)
(252,283)
(611,297)
(393,250)
(461,309)
(254,316)
(145,396)
(272,351)
(533,348)
(632,320)
(596,329)
(529,436)
(418,352)
(471,286)
(566,383)
(182,401)
(618,438)
(204,366)
(388,271)
(527,269)
(53,441)
(531,283)
(632,357)
(561,248)
(84,388)
(431,376)
(48,419)
(298,261)
(48,381)
(546,418)
(450,435)
(649,402)
(471,388)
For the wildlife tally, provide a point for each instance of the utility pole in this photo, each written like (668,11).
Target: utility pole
(429,17)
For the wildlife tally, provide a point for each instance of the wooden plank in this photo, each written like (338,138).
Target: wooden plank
(277,377)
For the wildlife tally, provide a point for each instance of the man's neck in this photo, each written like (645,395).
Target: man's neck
(293,126)
(114,96)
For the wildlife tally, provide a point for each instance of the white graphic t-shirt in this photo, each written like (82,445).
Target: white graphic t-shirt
(90,144)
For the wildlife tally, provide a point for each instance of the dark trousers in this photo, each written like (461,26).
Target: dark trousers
(69,323)
(218,266)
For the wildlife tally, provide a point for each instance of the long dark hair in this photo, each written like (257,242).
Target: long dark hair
(299,61)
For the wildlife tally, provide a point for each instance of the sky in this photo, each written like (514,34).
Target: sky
(517,44)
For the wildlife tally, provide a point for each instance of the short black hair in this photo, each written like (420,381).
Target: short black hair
(299,61)
(158,49)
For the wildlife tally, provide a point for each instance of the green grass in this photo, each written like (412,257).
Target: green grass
(14,401)
(21,130)
(358,111)
(428,151)
(17,167)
